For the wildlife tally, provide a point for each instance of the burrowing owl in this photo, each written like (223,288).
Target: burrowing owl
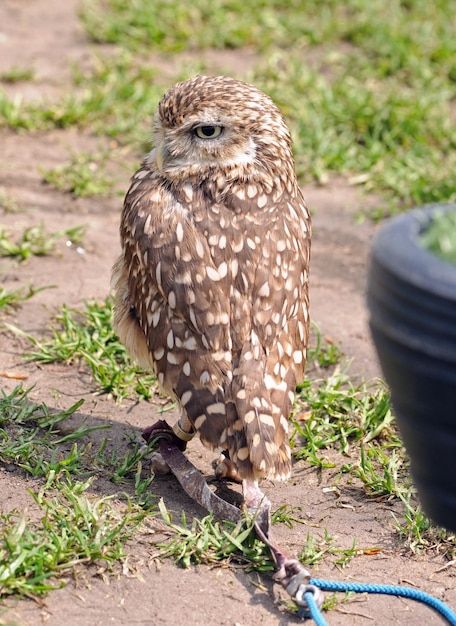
(212,283)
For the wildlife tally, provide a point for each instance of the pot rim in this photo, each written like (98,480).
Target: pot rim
(411,261)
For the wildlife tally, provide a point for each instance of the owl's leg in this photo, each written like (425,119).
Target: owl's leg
(254,498)
(183,428)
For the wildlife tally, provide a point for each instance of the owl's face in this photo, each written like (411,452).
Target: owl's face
(208,137)
(207,123)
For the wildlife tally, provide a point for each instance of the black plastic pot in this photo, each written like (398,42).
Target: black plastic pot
(412,303)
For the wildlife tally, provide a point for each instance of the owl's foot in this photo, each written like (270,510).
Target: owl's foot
(254,498)
(224,468)
(176,435)
(158,465)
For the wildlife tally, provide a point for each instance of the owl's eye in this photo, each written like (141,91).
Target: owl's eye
(208,132)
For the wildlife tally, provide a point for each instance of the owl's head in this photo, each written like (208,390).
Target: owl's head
(207,124)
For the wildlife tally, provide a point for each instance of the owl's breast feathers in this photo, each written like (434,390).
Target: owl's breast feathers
(211,292)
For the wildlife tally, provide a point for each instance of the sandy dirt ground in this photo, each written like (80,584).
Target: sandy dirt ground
(46,35)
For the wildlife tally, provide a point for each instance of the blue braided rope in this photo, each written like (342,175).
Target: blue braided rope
(313,609)
(392,590)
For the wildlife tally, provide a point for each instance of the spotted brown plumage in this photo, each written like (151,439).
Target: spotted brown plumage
(212,283)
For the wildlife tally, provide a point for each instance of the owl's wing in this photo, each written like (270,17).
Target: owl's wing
(177,296)
(273,350)
(280,295)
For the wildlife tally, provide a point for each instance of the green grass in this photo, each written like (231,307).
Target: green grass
(75,529)
(440,236)
(36,241)
(117,98)
(337,423)
(368,93)
(335,413)
(322,351)
(173,26)
(378,132)
(383,36)
(8,201)
(82,176)
(372,103)
(369,96)
(349,427)
(349,421)
(87,335)
(383,470)
(42,442)
(418,532)
(31,436)
(17,75)
(209,541)
(11,299)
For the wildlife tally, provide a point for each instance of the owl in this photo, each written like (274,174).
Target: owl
(211,287)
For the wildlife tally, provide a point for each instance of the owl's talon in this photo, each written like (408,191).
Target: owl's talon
(224,468)
(163,429)
(158,465)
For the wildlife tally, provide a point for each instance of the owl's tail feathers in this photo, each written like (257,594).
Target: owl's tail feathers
(257,432)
